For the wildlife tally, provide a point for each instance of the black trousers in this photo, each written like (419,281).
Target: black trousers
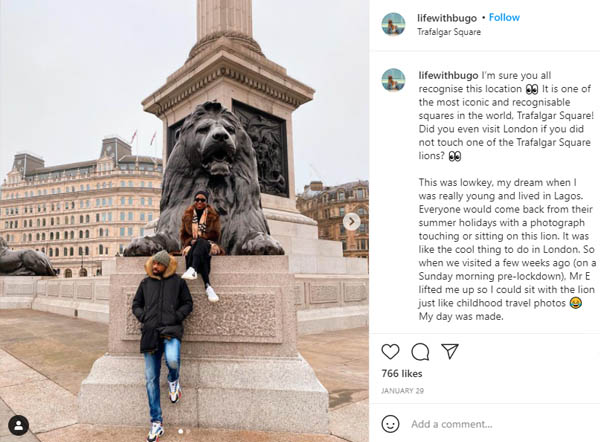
(199,258)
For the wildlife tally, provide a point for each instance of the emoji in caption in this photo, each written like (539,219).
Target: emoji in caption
(576,302)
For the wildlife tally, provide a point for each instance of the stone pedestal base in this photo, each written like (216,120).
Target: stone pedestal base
(268,394)
(240,367)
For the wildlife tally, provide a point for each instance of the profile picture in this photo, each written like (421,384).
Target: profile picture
(393,80)
(393,24)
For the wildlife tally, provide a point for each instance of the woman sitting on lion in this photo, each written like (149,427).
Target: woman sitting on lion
(199,234)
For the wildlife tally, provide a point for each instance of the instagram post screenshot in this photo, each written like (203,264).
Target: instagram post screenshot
(275,221)
(184,220)
(484,133)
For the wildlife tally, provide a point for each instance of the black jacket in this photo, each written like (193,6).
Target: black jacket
(161,304)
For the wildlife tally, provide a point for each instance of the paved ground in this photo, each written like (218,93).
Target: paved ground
(44,358)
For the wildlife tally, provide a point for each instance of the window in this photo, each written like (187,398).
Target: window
(56,251)
(149,217)
(362,228)
(80,219)
(101,249)
(87,233)
(130,201)
(65,251)
(71,251)
(87,251)
(130,216)
(344,245)
(342,211)
(122,231)
(129,231)
(122,216)
(81,234)
(72,219)
(87,218)
(51,237)
(68,272)
(72,235)
(97,217)
(100,232)
(130,183)
(341,196)
(122,183)
(80,251)
(342,229)
(142,217)
(143,201)
(149,201)
(361,211)
(57,237)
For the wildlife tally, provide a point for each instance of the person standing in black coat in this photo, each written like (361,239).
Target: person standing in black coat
(161,303)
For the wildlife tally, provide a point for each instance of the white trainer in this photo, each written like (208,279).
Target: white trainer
(190,274)
(174,391)
(212,296)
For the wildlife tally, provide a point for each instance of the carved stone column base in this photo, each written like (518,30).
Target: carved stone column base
(267,394)
(240,367)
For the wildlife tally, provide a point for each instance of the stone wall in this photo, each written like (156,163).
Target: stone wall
(324,302)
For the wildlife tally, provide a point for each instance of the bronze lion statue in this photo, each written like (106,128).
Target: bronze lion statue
(214,153)
(23,262)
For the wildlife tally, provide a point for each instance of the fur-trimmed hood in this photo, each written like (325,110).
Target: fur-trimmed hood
(170,271)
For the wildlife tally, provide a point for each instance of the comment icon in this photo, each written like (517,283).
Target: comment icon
(420,352)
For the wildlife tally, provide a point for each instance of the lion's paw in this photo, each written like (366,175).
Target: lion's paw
(259,243)
(149,245)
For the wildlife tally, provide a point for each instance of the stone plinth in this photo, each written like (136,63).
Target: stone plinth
(17,291)
(240,366)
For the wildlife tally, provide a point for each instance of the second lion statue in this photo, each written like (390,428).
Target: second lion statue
(213,153)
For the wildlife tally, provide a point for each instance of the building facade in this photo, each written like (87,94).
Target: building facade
(329,204)
(79,214)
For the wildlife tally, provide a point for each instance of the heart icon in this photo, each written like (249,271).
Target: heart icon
(390,351)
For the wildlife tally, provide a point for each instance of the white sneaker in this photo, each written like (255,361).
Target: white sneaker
(156,430)
(212,296)
(190,274)
(174,391)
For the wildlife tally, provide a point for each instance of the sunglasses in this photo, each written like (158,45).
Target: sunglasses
(200,200)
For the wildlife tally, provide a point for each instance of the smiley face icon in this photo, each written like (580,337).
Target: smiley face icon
(576,302)
(390,423)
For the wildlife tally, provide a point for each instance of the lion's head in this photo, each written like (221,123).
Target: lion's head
(213,137)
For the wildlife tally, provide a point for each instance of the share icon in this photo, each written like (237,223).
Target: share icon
(450,349)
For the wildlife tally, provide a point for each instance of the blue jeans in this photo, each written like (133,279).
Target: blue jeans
(171,349)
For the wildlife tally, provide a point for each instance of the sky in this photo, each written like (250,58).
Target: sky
(73,72)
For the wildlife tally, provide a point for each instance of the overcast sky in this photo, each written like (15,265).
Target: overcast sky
(73,71)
